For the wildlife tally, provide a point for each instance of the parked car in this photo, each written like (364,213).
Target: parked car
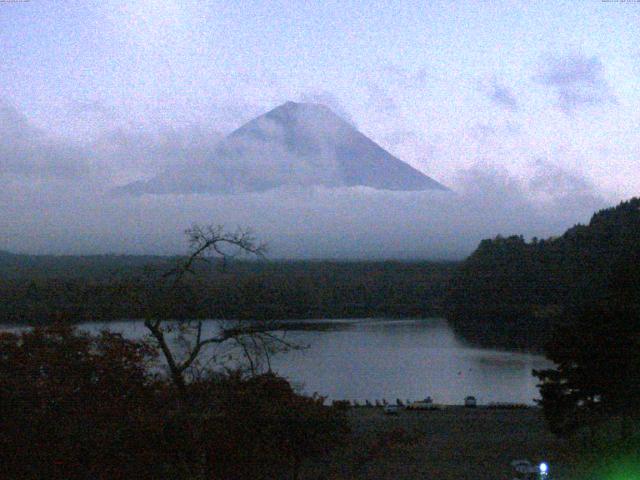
(470,402)
(391,409)
(528,471)
(426,404)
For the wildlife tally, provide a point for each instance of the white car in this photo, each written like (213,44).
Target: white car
(391,409)
(423,405)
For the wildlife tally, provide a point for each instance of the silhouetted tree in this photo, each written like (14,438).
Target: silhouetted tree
(597,353)
(254,338)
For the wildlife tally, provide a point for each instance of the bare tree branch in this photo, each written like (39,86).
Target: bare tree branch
(205,242)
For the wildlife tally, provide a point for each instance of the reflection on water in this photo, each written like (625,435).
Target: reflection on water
(406,359)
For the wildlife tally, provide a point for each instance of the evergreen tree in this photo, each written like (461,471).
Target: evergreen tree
(597,377)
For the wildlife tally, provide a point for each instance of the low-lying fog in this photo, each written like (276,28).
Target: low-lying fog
(57,196)
(64,217)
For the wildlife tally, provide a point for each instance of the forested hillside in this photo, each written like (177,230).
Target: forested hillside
(511,293)
(39,289)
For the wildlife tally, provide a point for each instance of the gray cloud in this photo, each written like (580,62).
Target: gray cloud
(485,130)
(116,155)
(503,96)
(381,101)
(91,108)
(404,77)
(133,154)
(492,132)
(27,151)
(577,80)
(399,137)
(389,78)
(564,187)
(550,178)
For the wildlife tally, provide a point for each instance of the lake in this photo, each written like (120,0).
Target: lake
(371,359)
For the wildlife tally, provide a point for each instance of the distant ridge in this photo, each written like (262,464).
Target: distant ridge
(293,144)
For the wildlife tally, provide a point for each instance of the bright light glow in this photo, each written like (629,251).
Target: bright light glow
(543,468)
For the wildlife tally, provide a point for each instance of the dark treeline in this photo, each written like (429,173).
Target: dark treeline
(39,289)
(512,293)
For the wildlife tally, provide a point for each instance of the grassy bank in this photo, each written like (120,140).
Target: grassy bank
(454,443)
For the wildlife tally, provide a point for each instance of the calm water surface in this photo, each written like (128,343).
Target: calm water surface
(406,359)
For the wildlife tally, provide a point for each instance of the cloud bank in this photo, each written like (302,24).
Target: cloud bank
(55,198)
(577,80)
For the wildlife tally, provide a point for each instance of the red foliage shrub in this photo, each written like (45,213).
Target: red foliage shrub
(76,406)
(262,429)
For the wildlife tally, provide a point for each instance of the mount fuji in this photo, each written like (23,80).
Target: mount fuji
(300,144)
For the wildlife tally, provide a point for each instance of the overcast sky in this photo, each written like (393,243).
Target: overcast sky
(541,98)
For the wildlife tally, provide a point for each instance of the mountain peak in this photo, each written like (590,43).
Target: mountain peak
(290,105)
(292,144)
(304,111)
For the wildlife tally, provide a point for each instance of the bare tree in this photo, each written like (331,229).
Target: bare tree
(255,340)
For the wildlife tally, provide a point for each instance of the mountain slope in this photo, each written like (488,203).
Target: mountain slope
(293,144)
